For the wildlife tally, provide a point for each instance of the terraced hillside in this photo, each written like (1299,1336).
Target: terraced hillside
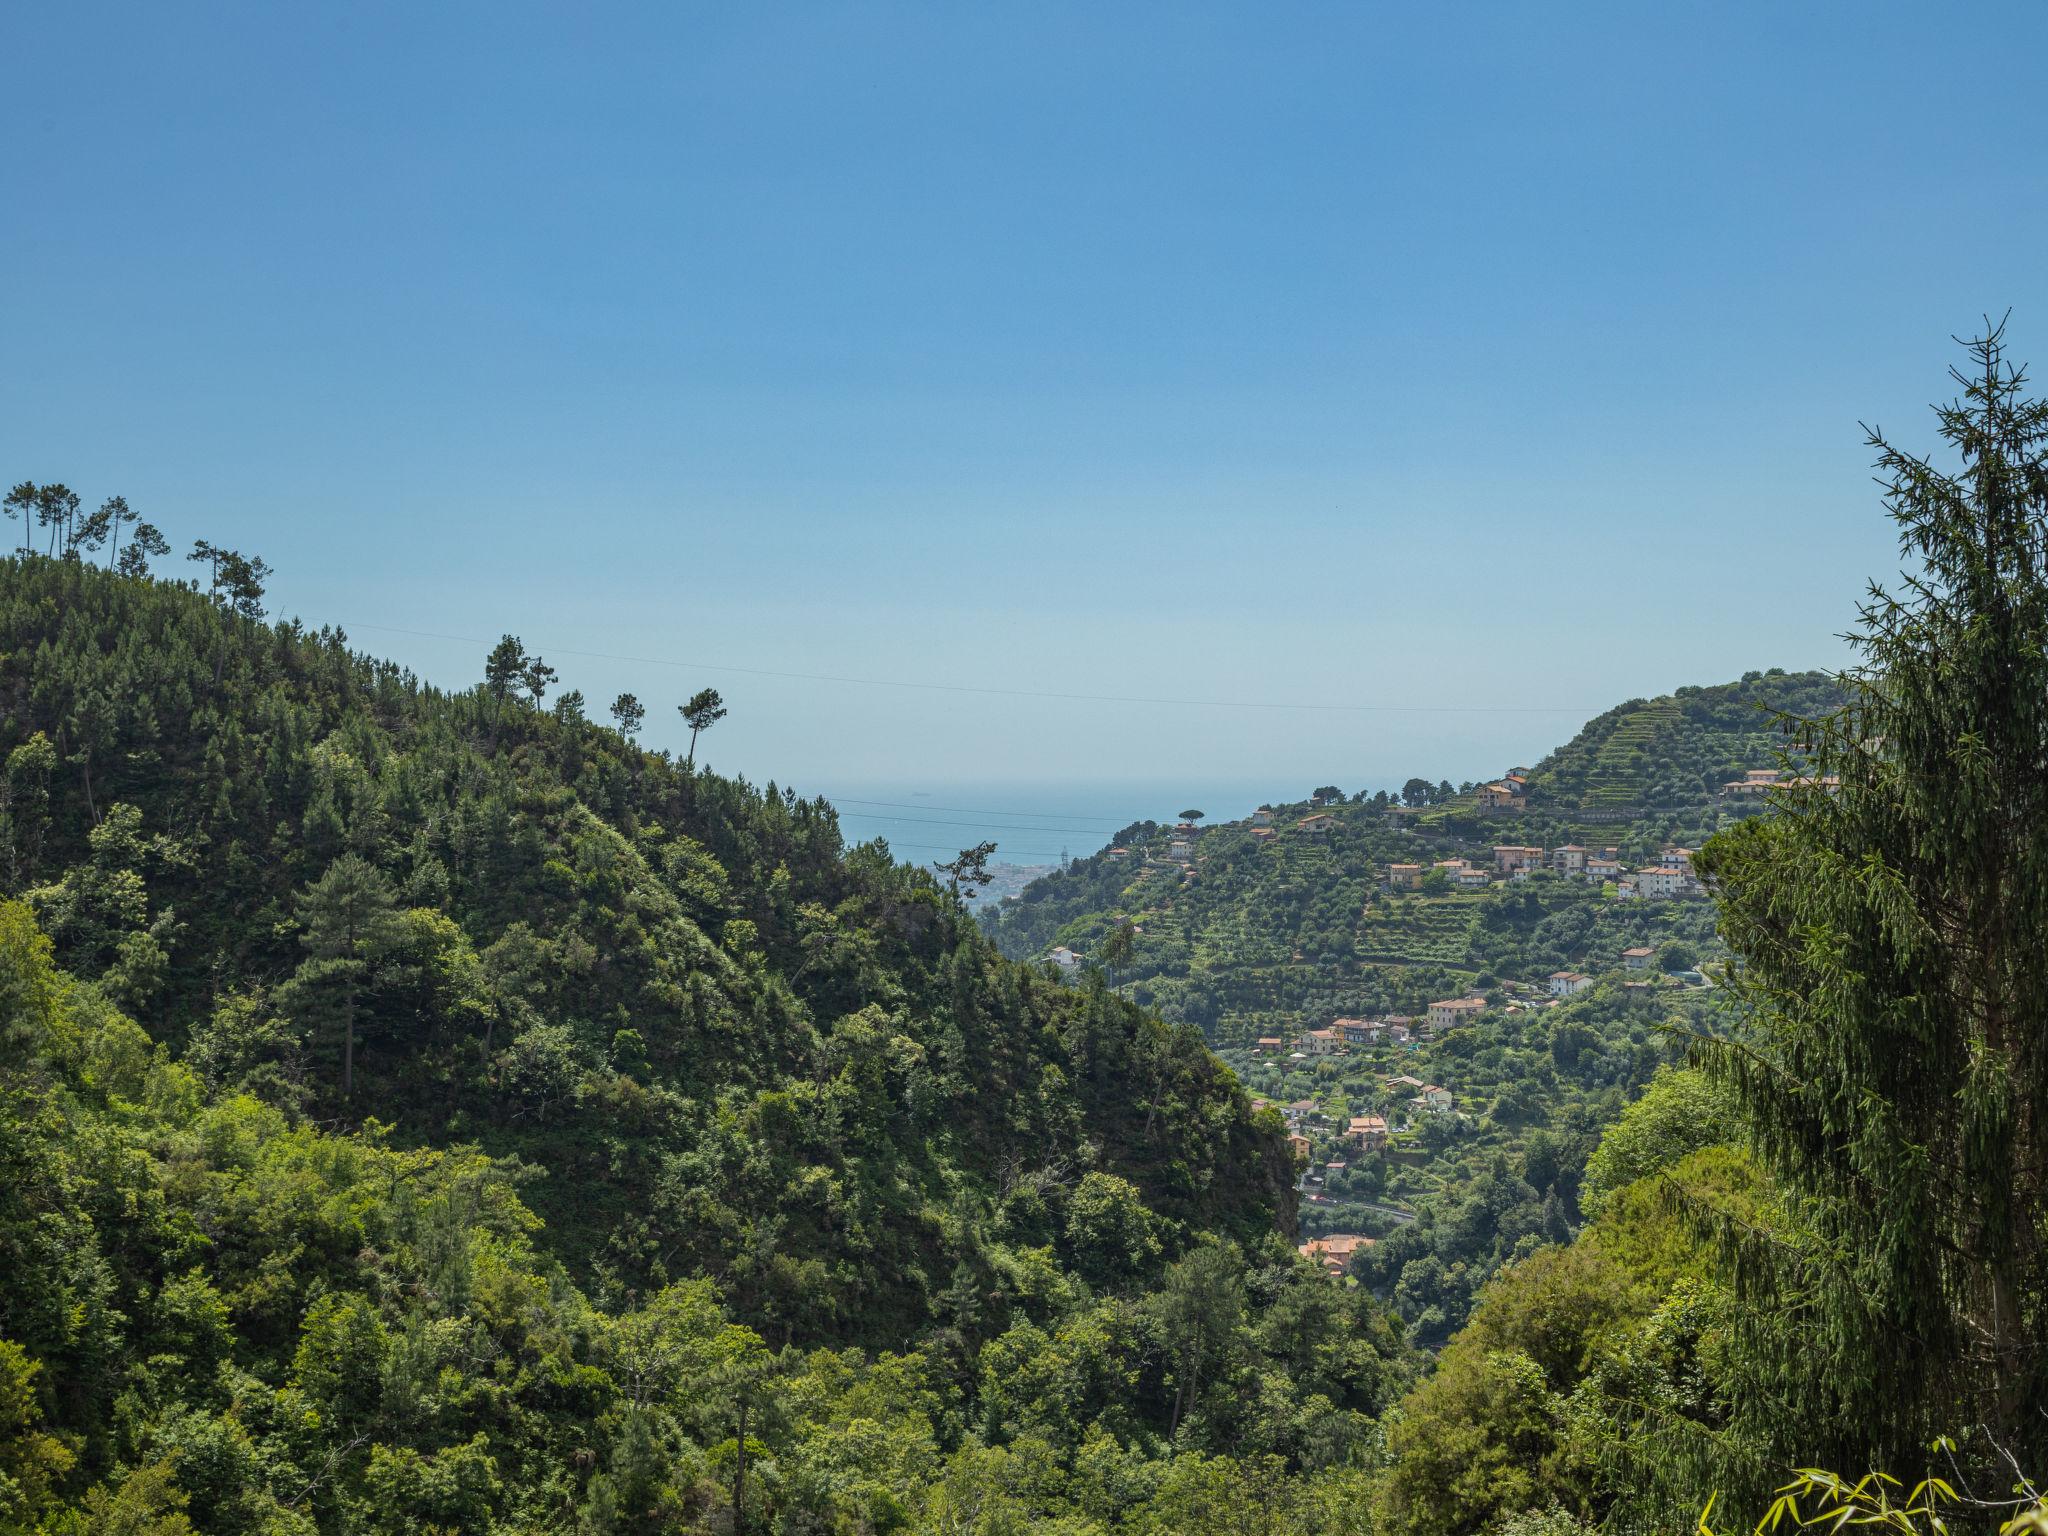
(1272,930)
(1661,762)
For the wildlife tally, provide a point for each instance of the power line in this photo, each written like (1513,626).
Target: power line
(1023,693)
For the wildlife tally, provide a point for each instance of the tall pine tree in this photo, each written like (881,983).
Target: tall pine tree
(1890,922)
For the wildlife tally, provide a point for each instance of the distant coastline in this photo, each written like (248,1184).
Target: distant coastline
(1037,824)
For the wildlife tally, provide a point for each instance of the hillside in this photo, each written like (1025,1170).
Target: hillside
(1266,932)
(431,1030)
(1656,767)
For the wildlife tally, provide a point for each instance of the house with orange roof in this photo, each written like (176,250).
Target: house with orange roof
(1367,1132)
(1335,1251)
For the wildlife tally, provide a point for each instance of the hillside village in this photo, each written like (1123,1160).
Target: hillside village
(1436,993)
(1391,1110)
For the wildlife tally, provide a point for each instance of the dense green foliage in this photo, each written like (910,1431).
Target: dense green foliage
(1895,1071)
(426,1112)
(1270,932)
(240,1322)
(429,1109)
(1456,1196)
(1826,1248)
(734,1048)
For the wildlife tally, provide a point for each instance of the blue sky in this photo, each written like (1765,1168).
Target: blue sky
(1501,359)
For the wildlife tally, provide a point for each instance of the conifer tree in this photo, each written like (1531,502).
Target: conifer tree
(113,515)
(505,668)
(147,541)
(22,502)
(536,677)
(350,917)
(629,713)
(1890,922)
(705,709)
(56,510)
(970,869)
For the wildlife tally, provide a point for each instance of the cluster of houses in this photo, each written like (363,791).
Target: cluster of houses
(1180,847)
(1758,782)
(1506,796)
(1572,983)
(1340,1036)
(1420,1097)
(1365,1133)
(1343,1035)
(1669,878)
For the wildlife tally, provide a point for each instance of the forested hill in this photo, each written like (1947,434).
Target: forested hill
(681,996)
(379,938)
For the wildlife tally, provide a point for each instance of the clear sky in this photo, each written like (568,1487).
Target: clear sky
(1501,359)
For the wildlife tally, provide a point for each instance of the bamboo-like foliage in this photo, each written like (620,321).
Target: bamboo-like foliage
(1891,924)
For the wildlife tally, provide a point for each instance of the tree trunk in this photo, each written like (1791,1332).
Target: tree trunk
(739,1476)
(348,1042)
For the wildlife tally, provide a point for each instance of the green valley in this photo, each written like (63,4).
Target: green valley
(428,1110)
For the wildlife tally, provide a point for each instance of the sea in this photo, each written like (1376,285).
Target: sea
(1038,822)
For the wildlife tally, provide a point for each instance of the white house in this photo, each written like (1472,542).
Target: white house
(1356,1031)
(1066,960)
(1453,1011)
(1569,983)
(1661,882)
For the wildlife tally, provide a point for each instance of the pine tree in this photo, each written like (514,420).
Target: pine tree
(56,510)
(22,502)
(704,710)
(350,918)
(629,713)
(1890,922)
(536,677)
(147,541)
(505,668)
